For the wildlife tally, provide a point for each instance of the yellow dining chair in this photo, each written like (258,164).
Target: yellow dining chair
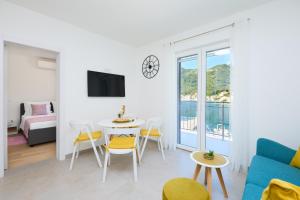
(121,141)
(152,130)
(85,132)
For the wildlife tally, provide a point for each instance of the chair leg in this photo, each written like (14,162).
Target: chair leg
(158,144)
(73,156)
(134,165)
(109,157)
(162,148)
(96,154)
(142,141)
(78,149)
(138,153)
(143,148)
(101,150)
(105,166)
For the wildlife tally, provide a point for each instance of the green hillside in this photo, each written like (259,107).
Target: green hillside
(188,81)
(217,80)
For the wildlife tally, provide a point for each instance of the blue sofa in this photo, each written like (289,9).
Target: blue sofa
(271,161)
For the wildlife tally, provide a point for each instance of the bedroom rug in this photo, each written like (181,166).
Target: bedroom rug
(16,140)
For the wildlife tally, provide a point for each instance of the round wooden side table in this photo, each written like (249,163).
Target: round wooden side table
(217,163)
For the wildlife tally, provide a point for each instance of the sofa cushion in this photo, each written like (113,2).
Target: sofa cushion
(262,170)
(279,189)
(296,159)
(274,150)
(252,192)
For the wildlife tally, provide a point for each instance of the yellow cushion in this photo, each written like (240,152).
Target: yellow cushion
(184,189)
(84,136)
(281,190)
(122,143)
(153,132)
(296,159)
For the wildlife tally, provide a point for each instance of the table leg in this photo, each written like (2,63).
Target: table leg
(205,176)
(209,180)
(222,182)
(196,172)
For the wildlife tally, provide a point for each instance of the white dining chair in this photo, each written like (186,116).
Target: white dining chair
(121,141)
(152,130)
(85,132)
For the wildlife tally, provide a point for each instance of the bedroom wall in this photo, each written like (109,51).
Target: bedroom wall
(274,93)
(81,51)
(25,80)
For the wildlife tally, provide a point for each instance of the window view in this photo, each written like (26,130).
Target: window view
(218,101)
(188,86)
(216,125)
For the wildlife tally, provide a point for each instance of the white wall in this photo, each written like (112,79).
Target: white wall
(274,89)
(158,95)
(25,80)
(81,50)
(274,95)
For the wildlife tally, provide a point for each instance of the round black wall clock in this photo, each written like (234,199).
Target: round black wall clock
(150,66)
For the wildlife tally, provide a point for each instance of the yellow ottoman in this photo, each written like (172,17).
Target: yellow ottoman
(184,189)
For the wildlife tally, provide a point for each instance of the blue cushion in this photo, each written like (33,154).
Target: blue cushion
(252,192)
(274,150)
(262,170)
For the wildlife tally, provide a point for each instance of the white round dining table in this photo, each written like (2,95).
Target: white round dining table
(110,124)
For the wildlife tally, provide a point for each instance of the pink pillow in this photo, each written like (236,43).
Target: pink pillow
(39,109)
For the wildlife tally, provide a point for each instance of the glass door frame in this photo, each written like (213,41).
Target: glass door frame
(204,50)
(201,94)
(179,55)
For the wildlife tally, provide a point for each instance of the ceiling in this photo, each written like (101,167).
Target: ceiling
(138,22)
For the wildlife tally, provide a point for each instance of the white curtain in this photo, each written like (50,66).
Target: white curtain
(170,100)
(239,117)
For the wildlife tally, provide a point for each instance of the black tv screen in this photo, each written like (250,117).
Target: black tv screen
(105,85)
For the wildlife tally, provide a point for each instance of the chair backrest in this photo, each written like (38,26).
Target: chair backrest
(81,126)
(154,123)
(120,131)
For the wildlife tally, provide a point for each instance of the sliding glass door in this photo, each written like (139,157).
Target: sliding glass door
(204,99)
(187,100)
(217,100)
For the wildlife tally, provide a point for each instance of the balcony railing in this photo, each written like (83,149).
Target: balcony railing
(216,118)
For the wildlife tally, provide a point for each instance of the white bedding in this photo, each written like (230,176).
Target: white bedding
(37,125)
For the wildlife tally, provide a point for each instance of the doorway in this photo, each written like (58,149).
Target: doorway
(204,99)
(60,155)
(30,104)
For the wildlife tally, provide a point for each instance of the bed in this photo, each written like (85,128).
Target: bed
(38,129)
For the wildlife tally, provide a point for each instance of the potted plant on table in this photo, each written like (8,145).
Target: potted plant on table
(209,155)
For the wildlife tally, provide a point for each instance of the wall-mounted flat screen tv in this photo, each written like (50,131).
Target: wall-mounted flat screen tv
(105,85)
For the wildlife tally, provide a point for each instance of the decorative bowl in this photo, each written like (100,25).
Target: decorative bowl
(122,120)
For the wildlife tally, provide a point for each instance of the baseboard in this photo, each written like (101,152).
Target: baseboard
(12,133)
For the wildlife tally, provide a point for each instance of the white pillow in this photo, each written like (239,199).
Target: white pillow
(28,110)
